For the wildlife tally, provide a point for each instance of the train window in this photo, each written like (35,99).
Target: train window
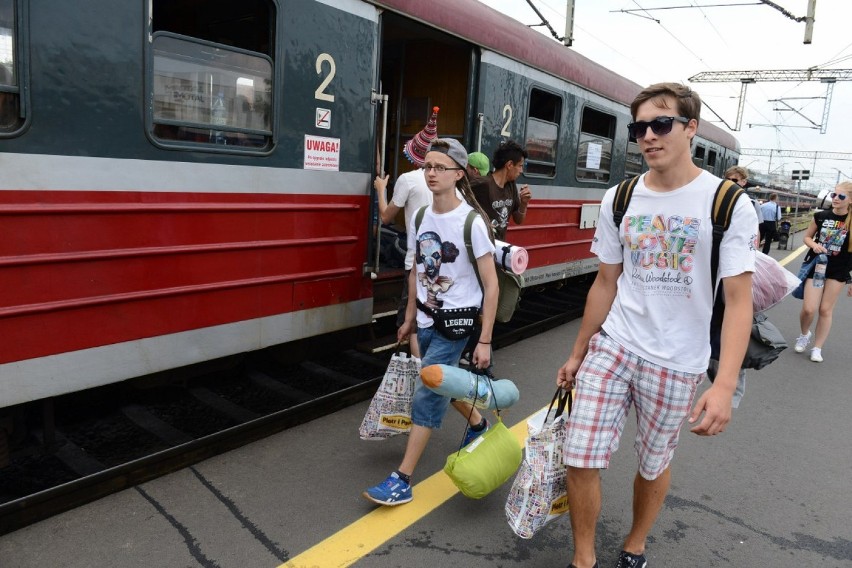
(542,133)
(711,161)
(212,75)
(698,156)
(594,154)
(10,93)
(246,25)
(633,160)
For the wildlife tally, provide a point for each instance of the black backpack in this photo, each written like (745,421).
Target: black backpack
(765,344)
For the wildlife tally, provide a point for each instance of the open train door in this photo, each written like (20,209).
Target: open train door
(421,68)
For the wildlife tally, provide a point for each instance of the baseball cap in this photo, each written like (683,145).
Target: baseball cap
(455,151)
(479,161)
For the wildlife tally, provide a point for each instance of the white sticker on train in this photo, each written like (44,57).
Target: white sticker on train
(322,153)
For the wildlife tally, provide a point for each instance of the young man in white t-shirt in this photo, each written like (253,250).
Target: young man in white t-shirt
(644,338)
(443,278)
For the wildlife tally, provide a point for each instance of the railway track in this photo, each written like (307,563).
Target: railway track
(91,444)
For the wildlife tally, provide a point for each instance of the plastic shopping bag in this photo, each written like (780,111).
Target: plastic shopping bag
(539,493)
(771,282)
(389,412)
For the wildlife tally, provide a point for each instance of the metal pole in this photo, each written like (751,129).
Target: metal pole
(796,216)
(568,38)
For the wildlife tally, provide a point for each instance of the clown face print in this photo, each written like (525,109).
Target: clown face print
(431,253)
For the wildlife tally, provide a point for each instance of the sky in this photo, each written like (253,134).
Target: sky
(647,44)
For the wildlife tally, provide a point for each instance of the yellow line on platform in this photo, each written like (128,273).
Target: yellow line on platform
(793,255)
(355,541)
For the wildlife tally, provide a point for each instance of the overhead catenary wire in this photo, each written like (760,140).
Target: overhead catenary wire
(703,53)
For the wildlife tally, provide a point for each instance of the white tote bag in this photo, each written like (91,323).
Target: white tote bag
(390,410)
(539,493)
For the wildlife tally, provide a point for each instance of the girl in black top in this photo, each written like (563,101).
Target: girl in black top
(827,234)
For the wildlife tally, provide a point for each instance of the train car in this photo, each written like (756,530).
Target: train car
(189,179)
(788,200)
(494,79)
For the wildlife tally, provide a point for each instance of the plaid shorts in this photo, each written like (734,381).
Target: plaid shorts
(608,381)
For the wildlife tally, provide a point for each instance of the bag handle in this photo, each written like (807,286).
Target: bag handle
(562,398)
(479,373)
(399,350)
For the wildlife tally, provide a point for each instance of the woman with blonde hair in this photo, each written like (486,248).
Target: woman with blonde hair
(827,234)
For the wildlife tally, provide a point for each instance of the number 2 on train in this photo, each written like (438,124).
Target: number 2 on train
(320,93)
(507,114)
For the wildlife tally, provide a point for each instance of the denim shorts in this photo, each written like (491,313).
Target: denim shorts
(428,408)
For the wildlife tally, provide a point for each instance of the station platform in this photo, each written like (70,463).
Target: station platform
(773,490)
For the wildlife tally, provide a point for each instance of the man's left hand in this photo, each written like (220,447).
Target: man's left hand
(526,195)
(715,403)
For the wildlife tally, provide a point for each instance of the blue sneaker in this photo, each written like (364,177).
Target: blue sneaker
(470,434)
(392,491)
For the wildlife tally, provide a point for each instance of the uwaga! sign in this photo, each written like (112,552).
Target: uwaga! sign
(322,153)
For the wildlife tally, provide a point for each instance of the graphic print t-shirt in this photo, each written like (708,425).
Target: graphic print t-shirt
(444,276)
(833,235)
(497,202)
(665,298)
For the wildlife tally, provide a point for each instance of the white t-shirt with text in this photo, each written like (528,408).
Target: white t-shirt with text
(664,301)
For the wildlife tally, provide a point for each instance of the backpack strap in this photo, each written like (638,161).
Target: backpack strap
(723,211)
(468,229)
(419,218)
(622,199)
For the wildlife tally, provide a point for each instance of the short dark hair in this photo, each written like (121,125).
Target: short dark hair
(508,151)
(688,101)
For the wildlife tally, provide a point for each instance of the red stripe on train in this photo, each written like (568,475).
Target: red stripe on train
(85,269)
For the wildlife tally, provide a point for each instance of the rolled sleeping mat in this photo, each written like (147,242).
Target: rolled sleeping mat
(511,258)
(461,384)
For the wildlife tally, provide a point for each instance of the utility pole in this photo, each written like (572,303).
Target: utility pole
(798,176)
(809,22)
(568,38)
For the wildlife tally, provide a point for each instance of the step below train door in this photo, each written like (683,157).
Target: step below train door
(421,68)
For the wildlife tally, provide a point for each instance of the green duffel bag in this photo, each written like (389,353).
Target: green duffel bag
(486,463)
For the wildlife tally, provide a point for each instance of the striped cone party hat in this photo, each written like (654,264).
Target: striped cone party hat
(416,148)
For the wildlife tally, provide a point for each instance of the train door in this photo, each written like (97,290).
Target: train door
(421,68)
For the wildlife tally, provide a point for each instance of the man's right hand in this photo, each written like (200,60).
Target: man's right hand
(404,331)
(381,183)
(567,374)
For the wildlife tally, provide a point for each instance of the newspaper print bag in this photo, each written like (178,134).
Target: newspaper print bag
(389,412)
(539,493)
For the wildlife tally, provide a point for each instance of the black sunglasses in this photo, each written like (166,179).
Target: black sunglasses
(661,126)
(839,196)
